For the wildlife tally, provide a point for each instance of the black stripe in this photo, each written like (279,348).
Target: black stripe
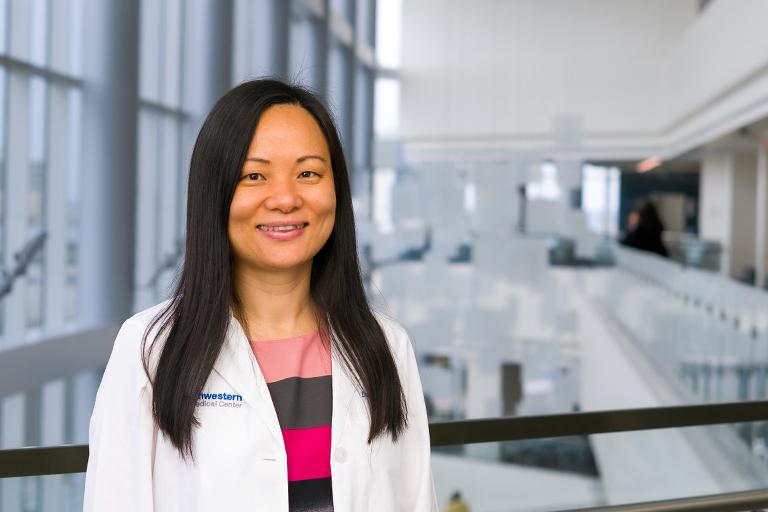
(315,495)
(302,402)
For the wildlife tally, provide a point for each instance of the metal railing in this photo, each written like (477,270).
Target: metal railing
(726,502)
(25,462)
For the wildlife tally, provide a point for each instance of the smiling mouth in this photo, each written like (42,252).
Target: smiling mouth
(293,227)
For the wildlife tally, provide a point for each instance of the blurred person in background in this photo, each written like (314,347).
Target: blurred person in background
(644,229)
(456,504)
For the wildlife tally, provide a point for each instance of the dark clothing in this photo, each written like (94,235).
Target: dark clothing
(645,240)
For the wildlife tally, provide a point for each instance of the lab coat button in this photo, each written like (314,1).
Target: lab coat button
(340,455)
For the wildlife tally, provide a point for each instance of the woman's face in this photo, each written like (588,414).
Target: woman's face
(284,205)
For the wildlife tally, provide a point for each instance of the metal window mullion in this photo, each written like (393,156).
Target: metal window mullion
(84,388)
(172,51)
(11,436)
(57,159)
(349,100)
(157,198)
(161,50)
(184,101)
(240,34)
(372,25)
(19,26)
(323,44)
(7,28)
(52,429)
(49,31)
(31,487)
(74,171)
(167,193)
(182,69)
(17,173)
(185,146)
(179,123)
(145,211)
(369,135)
(280,33)
(60,40)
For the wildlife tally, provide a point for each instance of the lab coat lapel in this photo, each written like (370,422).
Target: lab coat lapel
(344,390)
(238,366)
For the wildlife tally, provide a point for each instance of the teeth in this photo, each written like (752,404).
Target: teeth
(281,228)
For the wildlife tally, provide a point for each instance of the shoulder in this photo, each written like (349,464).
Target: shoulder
(397,336)
(137,325)
(390,326)
(128,348)
(144,317)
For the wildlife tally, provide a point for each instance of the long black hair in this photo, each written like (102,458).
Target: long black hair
(649,218)
(193,325)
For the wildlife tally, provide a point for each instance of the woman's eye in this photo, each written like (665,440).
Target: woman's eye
(308,174)
(254,176)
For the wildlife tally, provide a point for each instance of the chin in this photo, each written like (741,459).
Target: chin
(285,264)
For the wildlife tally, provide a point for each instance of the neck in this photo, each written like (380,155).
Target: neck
(275,304)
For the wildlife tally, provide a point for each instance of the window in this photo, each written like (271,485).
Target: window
(163,149)
(40,83)
(600,198)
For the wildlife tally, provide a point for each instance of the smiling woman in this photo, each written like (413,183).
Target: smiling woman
(283,209)
(269,307)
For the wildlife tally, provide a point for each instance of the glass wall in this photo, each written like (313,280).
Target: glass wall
(162,157)
(41,86)
(41,90)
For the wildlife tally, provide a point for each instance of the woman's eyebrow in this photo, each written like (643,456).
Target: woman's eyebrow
(307,157)
(298,160)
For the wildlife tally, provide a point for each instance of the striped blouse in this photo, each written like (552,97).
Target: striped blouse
(298,375)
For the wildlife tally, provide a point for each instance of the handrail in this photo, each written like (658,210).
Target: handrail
(43,460)
(598,422)
(726,502)
(54,460)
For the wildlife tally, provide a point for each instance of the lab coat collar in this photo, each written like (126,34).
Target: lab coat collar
(237,365)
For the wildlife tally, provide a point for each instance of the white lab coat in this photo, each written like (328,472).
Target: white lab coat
(240,461)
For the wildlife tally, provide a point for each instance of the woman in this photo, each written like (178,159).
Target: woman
(265,382)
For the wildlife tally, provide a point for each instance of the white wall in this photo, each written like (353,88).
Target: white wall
(506,67)
(643,76)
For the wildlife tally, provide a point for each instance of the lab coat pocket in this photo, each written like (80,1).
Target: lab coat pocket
(225,436)
(221,430)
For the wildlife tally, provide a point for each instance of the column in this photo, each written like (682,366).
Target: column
(715,202)
(108,227)
(208,54)
(761,210)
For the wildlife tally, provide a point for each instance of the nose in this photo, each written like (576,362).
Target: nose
(283,196)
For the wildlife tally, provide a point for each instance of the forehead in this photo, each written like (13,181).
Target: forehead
(287,129)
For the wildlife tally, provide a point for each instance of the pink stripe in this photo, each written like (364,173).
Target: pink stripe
(301,356)
(309,452)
